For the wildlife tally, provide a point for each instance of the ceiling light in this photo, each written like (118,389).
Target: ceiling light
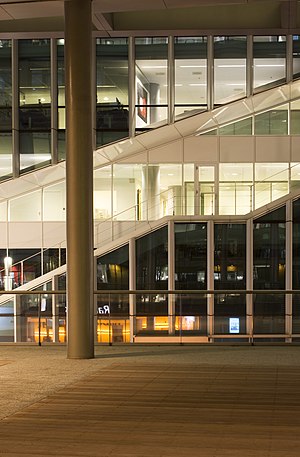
(153,66)
(198,84)
(231,66)
(192,66)
(269,65)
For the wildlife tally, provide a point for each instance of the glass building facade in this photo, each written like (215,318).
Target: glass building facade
(140,84)
(192,277)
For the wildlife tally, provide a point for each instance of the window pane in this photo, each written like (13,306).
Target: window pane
(151,82)
(127,191)
(54,206)
(191,273)
(102,193)
(6,86)
(269,271)
(269,59)
(295,118)
(113,274)
(112,89)
(296,56)
(274,122)
(230,55)
(61,99)
(152,273)
(190,75)
(5,155)
(243,127)
(35,103)
(26,208)
(5,109)
(230,273)
(35,150)
(296,265)
(271,182)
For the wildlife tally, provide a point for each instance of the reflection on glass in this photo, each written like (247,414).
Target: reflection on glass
(230,53)
(190,75)
(112,89)
(274,122)
(269,59)
(151,82)
(269,271)
(230,273)
(152,273)
(190,274)
(243,127)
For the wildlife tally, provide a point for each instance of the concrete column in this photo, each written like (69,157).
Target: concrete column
(79,174)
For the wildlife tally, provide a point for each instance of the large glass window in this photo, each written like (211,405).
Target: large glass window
(152,273)
(28,207)
(273,122)
(295,118)
(296,56)
(127,191)
(54,204)
(61,102)
(190,75)
(269,59)
(151,82)
(191,274)
(35,103)
(103,193)
(296,265)
(113,309)
(271,182)
(269,271)
(235,188)
(112,89)
(230,54)
(230,274)
(5,109)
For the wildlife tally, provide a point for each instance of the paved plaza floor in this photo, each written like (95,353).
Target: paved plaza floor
(151,401)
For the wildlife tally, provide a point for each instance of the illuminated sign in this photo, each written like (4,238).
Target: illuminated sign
(234,325)
(105,309)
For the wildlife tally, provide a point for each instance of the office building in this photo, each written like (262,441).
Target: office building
(195,131)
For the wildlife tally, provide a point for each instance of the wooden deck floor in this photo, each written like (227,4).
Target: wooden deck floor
(136,409)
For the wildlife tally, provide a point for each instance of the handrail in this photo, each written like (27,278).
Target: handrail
(162,292)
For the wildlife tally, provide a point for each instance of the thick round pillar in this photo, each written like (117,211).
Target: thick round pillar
(79,178)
